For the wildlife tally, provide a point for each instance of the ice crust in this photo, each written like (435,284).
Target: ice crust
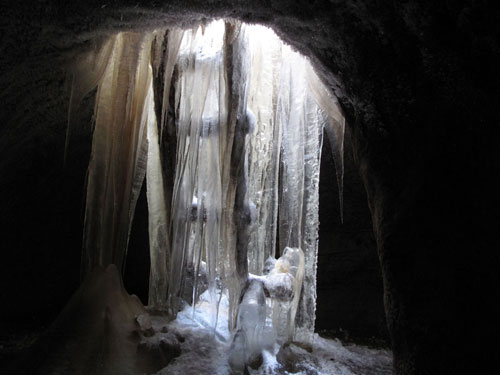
(246,114)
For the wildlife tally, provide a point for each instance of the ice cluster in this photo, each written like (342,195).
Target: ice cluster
(226,123)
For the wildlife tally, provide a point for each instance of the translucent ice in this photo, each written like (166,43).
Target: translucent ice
(237,358)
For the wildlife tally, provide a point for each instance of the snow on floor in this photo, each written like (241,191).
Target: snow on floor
(204,351)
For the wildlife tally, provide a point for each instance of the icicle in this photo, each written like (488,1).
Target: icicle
(334,126)
(165,49)
(159,243)
(302,122)
(183,200)
(118,162)
(235,264)
(86,75)
(196,205)
(264,144)
(313,142)
(290,113)
(173,45)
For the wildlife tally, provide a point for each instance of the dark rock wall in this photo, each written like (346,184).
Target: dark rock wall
(419,84)
(350,291)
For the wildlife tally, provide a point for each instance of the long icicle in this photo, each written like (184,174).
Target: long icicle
(334,126)
(119,147)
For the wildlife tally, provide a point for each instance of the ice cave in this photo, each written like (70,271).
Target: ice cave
(244,187)
(235,248)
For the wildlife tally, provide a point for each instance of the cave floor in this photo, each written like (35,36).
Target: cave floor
(202,352)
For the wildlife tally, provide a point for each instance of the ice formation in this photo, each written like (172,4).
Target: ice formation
(119,150)
(226,122)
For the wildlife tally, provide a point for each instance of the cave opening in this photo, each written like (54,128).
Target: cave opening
(418,83)
(220,127)
(239,114)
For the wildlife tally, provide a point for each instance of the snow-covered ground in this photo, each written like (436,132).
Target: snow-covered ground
(205,351)
(103,330)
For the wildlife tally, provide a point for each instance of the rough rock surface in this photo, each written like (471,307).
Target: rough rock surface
(102,330)
(419,84)
(350,290)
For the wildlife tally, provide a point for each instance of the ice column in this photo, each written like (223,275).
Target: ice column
(157,195)
(235,168)
(301,121)
(264,144)
(119,148)
(159,244)
(196,200)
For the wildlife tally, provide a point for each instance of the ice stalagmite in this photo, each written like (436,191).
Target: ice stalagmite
(119,148)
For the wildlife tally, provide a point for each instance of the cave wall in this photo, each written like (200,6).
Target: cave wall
(349,284)
(419,85)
